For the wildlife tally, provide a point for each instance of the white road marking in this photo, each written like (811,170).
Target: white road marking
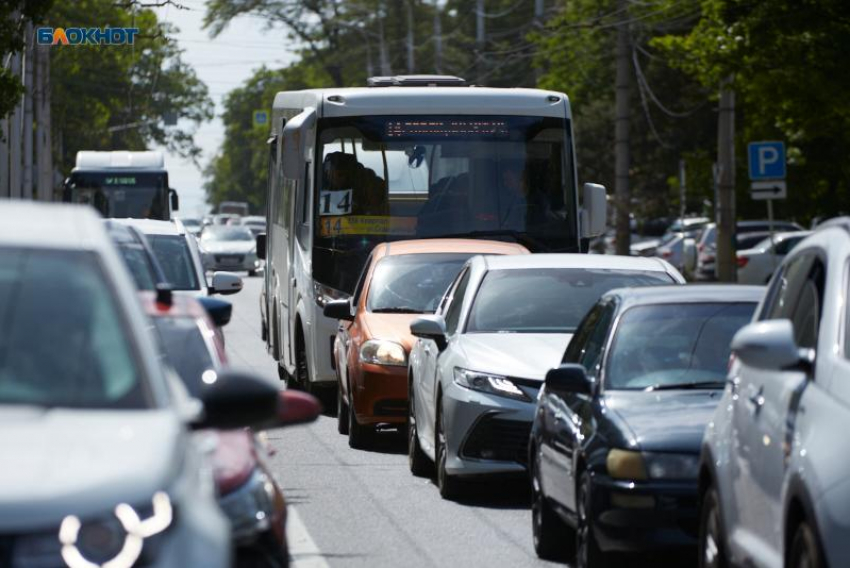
(303,552)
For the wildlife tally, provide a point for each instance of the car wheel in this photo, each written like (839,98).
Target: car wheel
(712,551)
(252,273)
(420,465)
(549,532)
(588,554)
(448,484)
(359,437)
(341,413)
(266,552)
(805,552)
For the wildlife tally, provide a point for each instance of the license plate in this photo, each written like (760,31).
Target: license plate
(230,260)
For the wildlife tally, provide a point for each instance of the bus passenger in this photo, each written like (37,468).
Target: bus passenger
(369,192)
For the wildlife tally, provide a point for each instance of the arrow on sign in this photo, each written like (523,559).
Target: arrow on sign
(774,189)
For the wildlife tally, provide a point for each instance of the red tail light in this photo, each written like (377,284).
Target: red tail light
(742,261)
(700,247)
(666,254)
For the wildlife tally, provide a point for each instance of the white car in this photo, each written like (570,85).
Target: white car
(479,362)
(774,486)
(756,264)
(99,465)
(230,248)
(177,251)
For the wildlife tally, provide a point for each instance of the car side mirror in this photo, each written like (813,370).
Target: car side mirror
(770,346)
(220,311)
(175,201)
(238,399)
(295,143)
(339,310)
(261,246)
(594,212)
(569,378)
(430,327)
(296,407)
(225,283)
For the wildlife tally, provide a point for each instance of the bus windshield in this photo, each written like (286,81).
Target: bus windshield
(383,178)
(121,194)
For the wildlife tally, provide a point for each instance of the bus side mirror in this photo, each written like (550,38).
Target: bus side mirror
(595,212)
(175,201)
(295,143)
(261,246)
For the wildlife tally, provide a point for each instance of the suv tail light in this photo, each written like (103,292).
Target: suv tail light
(742,261)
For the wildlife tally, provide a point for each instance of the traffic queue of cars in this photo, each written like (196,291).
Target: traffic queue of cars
(649,416)
(132,443)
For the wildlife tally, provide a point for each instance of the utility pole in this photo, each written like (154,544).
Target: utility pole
(386,69)
(480,38)
(438,39)
(15,140)
(726,265)
(621,133)
(29,64)
(43,140)
(539,9)
(682,190)
(411,58)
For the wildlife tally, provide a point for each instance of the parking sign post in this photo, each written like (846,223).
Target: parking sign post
(767,175)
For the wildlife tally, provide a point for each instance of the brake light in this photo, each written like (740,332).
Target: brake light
(700,247)
(742,261)
(666,254)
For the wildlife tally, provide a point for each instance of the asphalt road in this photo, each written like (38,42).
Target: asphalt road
(364,508)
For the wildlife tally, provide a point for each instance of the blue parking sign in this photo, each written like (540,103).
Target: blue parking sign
(261,117)
(767,160)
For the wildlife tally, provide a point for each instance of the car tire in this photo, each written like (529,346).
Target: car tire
(588,553)
(341,413)
(549,532)
(359,437)
(252,273)
(420,465)
(448,485)
(266,552)
(805,551)
(711,545)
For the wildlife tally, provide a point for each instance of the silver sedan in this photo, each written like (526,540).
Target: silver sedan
(478,364)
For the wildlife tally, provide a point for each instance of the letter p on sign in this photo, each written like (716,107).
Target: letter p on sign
(766,160)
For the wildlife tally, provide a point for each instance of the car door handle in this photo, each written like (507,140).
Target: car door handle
(427,350)
(757,401)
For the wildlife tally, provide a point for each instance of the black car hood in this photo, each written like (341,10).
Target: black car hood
(665,421)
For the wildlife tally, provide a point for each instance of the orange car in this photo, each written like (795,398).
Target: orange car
(400,281)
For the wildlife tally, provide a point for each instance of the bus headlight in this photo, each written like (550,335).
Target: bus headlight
(383,352)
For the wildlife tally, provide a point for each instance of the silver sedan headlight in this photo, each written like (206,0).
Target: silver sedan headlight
(489,383)
(250,506)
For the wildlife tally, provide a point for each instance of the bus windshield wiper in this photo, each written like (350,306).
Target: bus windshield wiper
(688,386)
(401,310)
(534,245)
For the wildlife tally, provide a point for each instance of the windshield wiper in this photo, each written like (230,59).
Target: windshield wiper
(689,386)
(402,310)
(534,245)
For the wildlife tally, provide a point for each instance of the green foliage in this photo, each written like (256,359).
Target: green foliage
(239,172)
(116,97)
(786,58)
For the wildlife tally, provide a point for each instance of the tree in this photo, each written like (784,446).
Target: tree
(13,16)
(239,172)
(787,60)
(117,97)
(670,120)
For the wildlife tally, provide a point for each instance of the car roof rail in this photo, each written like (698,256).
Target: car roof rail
(416,81)
(843,222)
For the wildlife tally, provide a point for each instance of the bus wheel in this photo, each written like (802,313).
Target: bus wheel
(302,368)
(285,377)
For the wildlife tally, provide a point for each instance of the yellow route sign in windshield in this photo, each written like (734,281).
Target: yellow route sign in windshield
(366,225)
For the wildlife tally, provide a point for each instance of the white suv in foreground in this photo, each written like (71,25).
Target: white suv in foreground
(775,470)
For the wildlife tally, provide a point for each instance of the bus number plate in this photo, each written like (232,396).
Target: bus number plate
(335,202)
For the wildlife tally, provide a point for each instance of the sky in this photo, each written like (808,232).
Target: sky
(223,63)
